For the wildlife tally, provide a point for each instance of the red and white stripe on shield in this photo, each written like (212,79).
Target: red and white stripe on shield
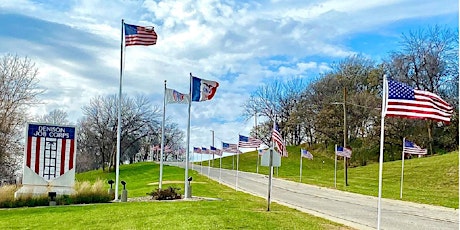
(50,157)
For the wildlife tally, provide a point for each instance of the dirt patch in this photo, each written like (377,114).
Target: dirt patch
(149,199)
(175,182)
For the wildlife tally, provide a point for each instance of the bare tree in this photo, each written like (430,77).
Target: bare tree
(99,127)
(18,90)
(56,116)
(428,60)
(276,100)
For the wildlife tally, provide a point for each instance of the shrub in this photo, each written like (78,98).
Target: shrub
(7,193)
(85,193)
(165,194)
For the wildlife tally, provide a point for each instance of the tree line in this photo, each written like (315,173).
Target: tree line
(310,112)
(313,112)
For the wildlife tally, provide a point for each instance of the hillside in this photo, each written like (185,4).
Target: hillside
(429,180)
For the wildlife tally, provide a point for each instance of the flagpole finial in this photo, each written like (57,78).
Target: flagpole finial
(191,74)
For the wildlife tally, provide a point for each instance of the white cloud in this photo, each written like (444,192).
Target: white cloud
(242,45)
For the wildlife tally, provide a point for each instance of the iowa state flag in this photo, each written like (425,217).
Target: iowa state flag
(203,90)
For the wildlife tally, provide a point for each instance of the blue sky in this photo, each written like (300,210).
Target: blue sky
(240,44)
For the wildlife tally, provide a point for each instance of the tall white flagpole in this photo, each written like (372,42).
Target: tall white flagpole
(186,190)
(335,167)
(237,163)
(382,136)
(220,167)
(402,168)
(162,140)
(257,150)
(270,164)
(300,166)
(117,163)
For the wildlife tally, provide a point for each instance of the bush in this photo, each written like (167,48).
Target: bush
(85,193)
(165,194)
(7,193)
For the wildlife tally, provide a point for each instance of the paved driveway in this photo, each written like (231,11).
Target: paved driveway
(354,210)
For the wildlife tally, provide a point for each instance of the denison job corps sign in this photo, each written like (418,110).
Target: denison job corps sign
(49,159)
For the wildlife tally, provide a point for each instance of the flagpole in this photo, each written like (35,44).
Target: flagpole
(300,166)
(117,163)
(335,167)
(402,168)
(186,190)
(382,136)
(237,165)
(162,139)
(270,175)
(213,153)
(220,167)
(257,151)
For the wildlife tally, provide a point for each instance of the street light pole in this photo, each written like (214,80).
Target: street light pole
(345,132)
(345,160)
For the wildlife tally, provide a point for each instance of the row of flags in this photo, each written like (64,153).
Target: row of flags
(202,90)
(249,142)
(211,150)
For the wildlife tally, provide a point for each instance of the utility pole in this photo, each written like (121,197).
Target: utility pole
(257,151)
(345,160)
(212,131)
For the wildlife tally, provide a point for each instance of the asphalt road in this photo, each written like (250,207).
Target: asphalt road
(354,210)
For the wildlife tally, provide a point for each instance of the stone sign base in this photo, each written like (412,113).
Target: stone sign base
(35,185)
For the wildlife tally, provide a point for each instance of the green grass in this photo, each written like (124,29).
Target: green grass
(233,210)
(429,180)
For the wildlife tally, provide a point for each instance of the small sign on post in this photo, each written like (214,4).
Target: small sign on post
(276,161)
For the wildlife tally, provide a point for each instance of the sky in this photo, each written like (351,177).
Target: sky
(240,44)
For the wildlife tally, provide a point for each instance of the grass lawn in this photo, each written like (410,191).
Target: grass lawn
(233,210)
(429,180)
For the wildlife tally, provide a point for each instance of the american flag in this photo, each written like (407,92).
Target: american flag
(304,153)
(411,148)
(139,35)
(204,150)
(216,151)
(248,142)
(343,152)
(279,142)
(231,148)
(167,149)
(404,101)
(262,151)
(155,148)
(196,150)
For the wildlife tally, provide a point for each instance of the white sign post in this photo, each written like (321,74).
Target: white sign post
(270,158)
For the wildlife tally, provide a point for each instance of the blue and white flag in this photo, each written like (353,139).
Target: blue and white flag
(304,153)
(203,90)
